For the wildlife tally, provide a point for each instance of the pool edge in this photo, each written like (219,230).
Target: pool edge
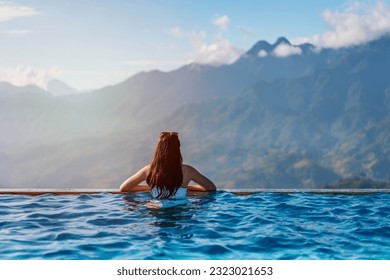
(15,191)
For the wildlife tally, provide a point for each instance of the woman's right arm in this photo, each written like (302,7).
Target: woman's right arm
(203,183)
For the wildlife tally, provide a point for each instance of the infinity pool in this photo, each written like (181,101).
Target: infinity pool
(221,225)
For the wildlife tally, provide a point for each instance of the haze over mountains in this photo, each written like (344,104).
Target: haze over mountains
(281,116)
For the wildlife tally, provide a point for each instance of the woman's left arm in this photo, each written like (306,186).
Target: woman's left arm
(132,184)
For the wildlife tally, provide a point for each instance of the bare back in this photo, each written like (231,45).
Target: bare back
(203,184)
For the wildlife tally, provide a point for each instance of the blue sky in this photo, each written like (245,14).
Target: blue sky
(93,43)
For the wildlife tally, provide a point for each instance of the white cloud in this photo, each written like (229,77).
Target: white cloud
(198,36)
(358,23)
(23,75)
(18,31)
(176,32)
(262,53)
(220,51)
(9,11)
(284,50)
(216,51)
(222,22)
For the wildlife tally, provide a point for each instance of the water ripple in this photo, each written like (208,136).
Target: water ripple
(214,226)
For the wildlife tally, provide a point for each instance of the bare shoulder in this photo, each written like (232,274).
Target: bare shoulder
(146,169)
(186,166)
(188,169)
(204,184)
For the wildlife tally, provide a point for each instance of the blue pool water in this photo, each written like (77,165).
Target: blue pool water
(211,226)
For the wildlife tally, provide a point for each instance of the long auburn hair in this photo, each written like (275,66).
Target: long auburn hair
(165,170)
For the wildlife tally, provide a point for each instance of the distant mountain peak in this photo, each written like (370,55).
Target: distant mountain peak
(263,48)
(57,87)
(9,88)
(308,48)
(282,40)
(260,46)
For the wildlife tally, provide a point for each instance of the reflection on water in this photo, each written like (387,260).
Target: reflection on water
(172,220)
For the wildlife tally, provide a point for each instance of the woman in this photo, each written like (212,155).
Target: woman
(167,176)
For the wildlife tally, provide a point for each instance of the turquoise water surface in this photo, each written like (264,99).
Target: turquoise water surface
(221,225)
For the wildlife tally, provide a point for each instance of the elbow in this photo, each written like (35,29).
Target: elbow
(210,187)
(123,188)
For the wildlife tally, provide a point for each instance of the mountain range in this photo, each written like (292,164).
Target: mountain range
(281,116)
